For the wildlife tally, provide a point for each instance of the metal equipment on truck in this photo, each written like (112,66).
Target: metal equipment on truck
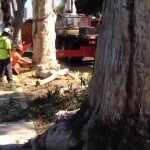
(75,34)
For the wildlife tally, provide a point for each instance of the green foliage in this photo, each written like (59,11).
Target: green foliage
(60,8)
(89,7)
(12,111)
(9,87)
(85,80)
(47,106)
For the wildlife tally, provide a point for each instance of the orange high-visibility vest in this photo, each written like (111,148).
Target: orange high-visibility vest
(15,57)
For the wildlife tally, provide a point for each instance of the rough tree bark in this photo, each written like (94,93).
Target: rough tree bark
(117,117)
(44,35)
(7,16)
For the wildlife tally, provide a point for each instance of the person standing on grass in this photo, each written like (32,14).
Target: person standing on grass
(5,57)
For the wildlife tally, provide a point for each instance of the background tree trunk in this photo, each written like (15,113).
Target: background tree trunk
(117,117)
(14,18)
(18,20)
(7,16)
(44,35)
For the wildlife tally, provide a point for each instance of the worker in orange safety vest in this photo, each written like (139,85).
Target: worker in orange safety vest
(17,58)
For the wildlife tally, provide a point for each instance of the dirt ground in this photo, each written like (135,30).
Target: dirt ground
(28,79)
(27,83)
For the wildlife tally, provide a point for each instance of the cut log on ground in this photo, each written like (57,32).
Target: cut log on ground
(52,77)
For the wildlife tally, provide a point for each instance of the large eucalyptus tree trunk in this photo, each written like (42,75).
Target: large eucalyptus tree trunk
(44,35)
(117,116)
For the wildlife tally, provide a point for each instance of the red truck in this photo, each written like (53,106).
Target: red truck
(75,38)
(80,41)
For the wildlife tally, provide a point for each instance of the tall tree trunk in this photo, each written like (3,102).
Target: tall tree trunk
(117,117)
(18,20)
(7,16)
(13,13)
(44,35)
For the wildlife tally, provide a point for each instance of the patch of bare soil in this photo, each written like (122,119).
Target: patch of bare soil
(28,79)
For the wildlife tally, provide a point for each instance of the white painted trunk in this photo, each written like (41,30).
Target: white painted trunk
(44,35)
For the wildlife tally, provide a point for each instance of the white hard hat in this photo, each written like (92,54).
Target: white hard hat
(7,30)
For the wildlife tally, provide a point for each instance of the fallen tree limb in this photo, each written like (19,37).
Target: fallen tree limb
(52,77)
